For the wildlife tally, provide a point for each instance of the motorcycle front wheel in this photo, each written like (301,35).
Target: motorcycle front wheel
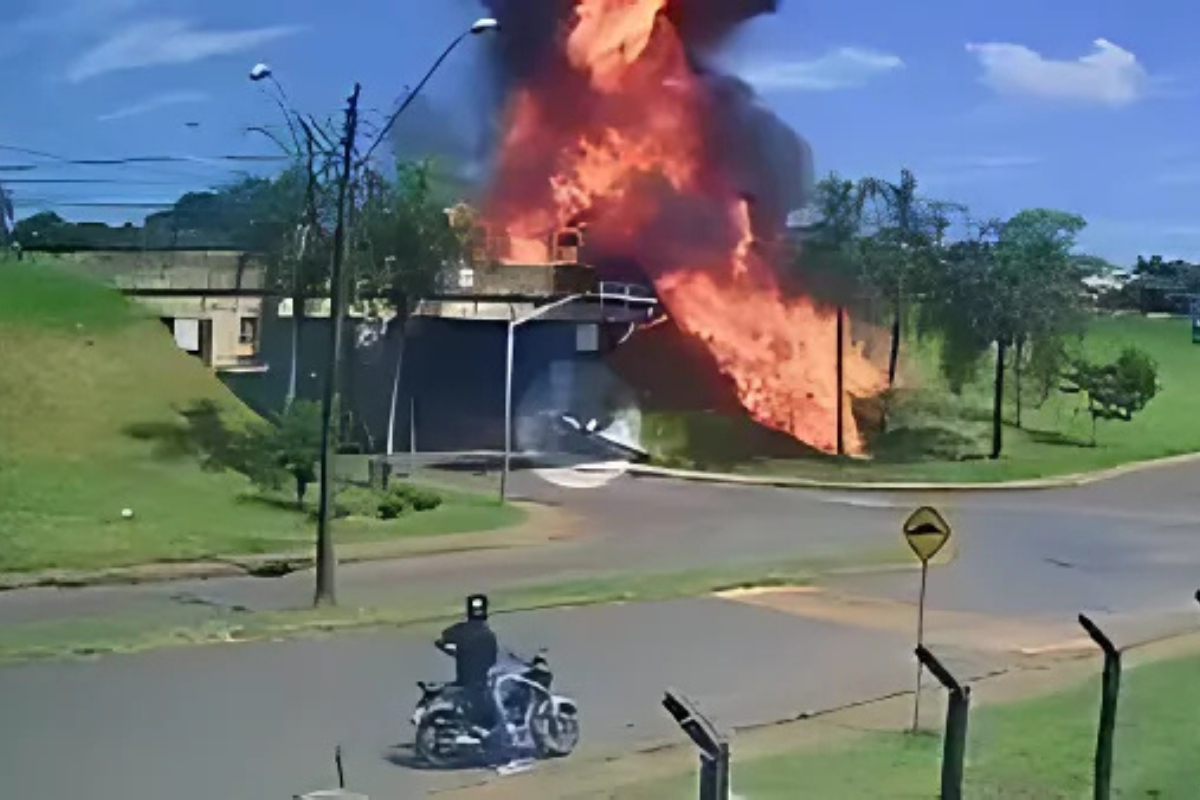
(435,743)
(555,734)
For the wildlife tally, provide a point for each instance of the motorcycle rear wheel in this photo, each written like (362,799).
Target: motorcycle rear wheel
(435,741)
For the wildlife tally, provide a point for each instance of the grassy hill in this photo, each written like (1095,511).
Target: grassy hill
(80,367)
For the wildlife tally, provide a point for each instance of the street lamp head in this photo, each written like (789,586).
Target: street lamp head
(260,72)
(484,25)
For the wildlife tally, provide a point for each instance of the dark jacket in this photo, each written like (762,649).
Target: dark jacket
(475,651)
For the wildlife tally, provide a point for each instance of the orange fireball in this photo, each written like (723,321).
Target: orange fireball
(612,130)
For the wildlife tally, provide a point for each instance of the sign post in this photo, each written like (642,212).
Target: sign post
(926,532)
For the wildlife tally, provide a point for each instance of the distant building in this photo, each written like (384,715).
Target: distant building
(452,384)
(211,301)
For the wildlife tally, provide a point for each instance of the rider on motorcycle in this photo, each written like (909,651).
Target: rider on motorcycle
(475,650)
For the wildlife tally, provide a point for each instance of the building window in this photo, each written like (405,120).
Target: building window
(187,335)
(248,332)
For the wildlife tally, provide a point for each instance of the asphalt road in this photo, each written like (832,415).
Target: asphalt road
(1130,544)
(261,720)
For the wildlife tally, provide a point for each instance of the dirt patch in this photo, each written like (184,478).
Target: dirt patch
(976,632)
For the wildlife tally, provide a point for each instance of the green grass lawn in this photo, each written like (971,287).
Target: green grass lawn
(80,366)
(939,437)
(1039,748)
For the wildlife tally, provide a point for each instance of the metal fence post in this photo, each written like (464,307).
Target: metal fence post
(954,743)
(714,748)
(1110,690)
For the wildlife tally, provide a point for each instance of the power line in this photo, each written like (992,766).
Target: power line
(87,181)
(65,204)
(128,160)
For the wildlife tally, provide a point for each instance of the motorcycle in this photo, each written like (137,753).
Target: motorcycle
(540,723)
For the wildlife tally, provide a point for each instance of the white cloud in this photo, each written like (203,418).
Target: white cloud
(161,42)
(153,104)
(59,20)
(844,68)
(1109,75)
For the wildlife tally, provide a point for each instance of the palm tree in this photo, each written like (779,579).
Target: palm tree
(902,240)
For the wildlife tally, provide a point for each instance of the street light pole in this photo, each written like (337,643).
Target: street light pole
(508,381)
(326,558)
(478,28)
(513,324)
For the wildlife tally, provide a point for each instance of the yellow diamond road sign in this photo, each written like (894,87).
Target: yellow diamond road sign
(927,532)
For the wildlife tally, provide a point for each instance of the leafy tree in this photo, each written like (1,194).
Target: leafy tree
(830,260)
(406,244)
(1011,286)
(1044,285)
(289,447)
(1115,391)
(1159,285)
(40,229)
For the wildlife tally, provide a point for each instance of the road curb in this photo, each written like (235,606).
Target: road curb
(784,482)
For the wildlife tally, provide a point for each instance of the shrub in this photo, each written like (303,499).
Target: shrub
(1115,391)
(392,505)
(357,501)
(417,497)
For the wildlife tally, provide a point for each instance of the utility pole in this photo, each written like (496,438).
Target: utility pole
(841,380)
(349,391)
(326,559)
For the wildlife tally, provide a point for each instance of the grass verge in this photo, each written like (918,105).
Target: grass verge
(1035,748)
(176,624)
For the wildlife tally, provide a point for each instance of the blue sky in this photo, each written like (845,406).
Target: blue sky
(1085,105)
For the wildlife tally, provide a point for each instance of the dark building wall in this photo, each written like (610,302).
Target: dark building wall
(453,376)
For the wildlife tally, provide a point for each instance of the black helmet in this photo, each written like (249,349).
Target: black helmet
(477,607)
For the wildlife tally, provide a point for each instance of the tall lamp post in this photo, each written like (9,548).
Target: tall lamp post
(626,297)
(513,324)
(478,28)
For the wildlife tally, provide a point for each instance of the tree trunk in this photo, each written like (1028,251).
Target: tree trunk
(1017,374)
(998,403)
(301,490)
(894,355)
(1093,430)
(402,321)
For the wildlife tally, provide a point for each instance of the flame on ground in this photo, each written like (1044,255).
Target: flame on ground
(612,132)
